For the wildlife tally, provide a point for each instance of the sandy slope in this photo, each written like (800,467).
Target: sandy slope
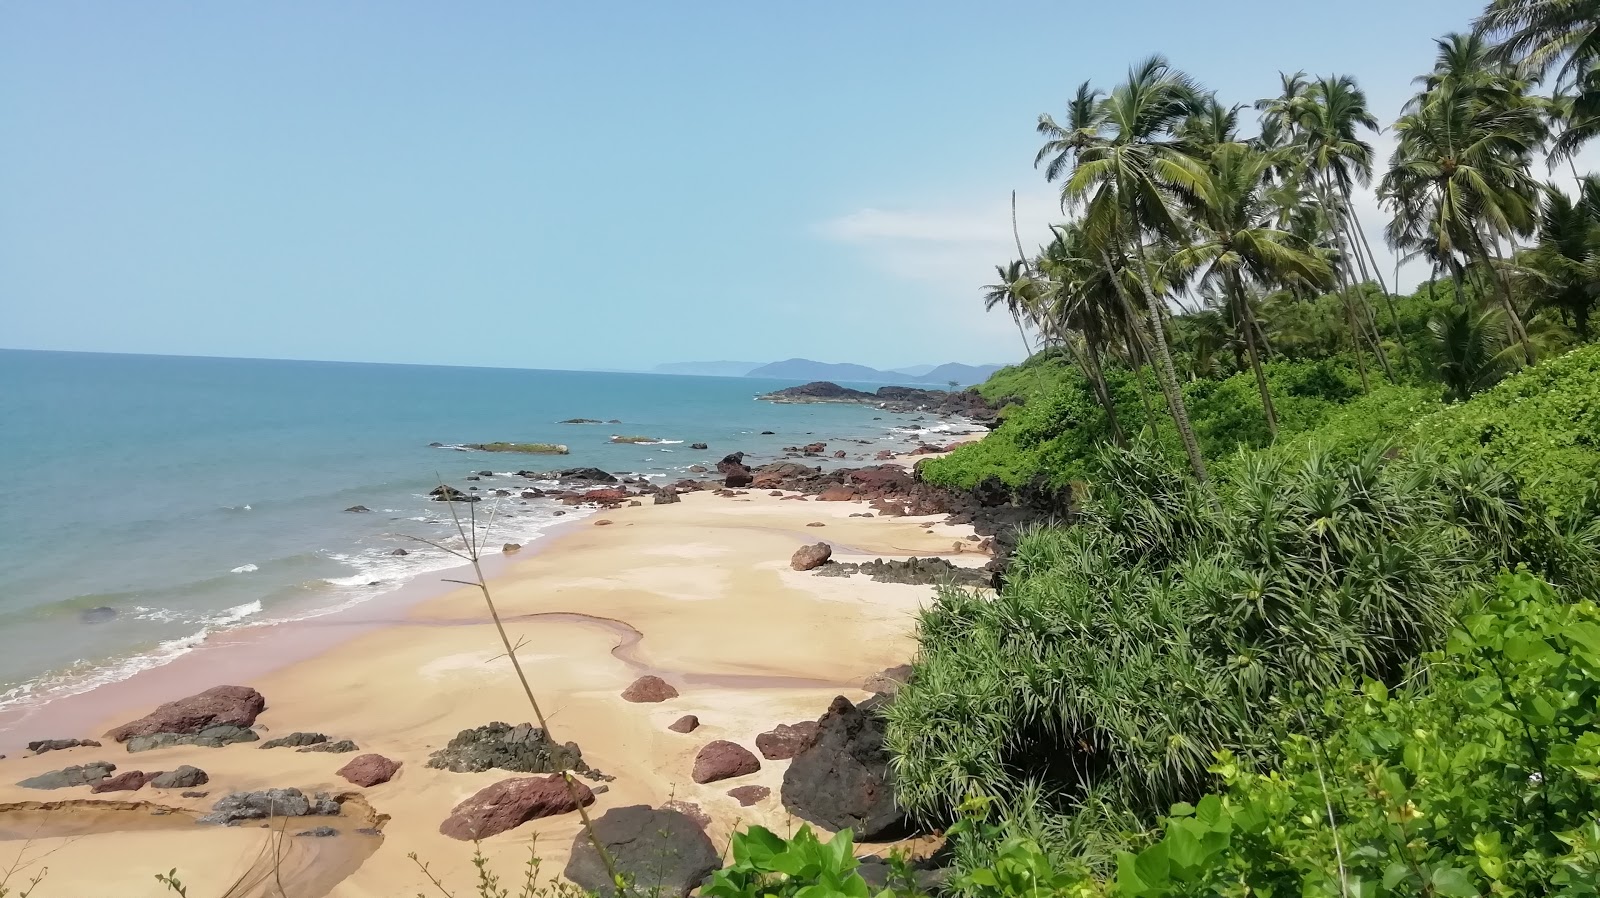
(698,592)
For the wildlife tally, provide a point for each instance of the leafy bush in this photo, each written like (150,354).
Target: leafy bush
(1227,414)
(1173,622)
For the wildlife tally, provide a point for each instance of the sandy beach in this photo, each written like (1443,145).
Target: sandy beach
(699,593)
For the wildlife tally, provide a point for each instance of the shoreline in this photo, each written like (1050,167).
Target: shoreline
(698,592)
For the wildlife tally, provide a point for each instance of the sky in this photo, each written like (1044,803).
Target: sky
(580,185)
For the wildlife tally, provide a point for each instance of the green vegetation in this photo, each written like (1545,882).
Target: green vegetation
(533,448)
(633,439)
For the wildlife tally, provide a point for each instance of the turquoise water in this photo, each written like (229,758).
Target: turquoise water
(190,495)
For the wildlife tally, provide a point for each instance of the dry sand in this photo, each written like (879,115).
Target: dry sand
(699,592)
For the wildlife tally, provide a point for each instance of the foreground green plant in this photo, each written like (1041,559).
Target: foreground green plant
(764,864)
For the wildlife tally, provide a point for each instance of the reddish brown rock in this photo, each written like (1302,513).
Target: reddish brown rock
(775,493)
(784,741)
(889,680)
(649,689)
(749,795)
(689,809)
(722,760)
(838,493)
(889,507)
(807,557)
(511,803)
(883,480)
(885,455)
(839,453)
(369,770)
(219,705)
(688,723)
(736,479)
(127,781)
(611,494)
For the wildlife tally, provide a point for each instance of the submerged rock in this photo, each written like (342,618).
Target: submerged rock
(511,803)
(358,509)
(523,749)
(220,705)
(660,852)
(77,775)
(97,615)
(210,737)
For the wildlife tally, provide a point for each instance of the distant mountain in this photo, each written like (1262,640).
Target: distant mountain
(707,369)
(806,369)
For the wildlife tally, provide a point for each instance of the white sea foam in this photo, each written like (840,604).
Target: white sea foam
(245,569)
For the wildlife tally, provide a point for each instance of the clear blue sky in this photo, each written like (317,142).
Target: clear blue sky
(575,185)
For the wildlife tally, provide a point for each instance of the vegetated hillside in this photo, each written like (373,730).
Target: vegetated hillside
(806,369)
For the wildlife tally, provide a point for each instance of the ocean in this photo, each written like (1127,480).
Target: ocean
(147,502)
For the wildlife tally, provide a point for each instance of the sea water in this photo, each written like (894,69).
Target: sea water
(149,501)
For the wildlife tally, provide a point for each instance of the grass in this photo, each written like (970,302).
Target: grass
(529,448)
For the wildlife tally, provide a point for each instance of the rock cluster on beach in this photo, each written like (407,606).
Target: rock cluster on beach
(238,806)
(522,749)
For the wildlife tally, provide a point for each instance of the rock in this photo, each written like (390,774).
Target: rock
(97,615)
(839,453)
(236,705)
(688,723)
(785,740)
(768,433)
(842,778)
(914,572)
(840,493)
(613,421)
(738,479)
(649,689)
(612,494)
(698,469)
(749,795)
(269,803)
(816,524)
(929,879)
(399,552)
(45,745)
(485,473)
(722,760)
(127,781)
(689,809)
(511,803)
(78,775)
(603,522)
(318,832)
(667,496)
(210,737)
(698,446)
(343,746)
(595,475)
(473,477)
(581,421)
(885,455)
(502,493)
(369,770)
(889,680)
(635,503)
(195,794)
(522,749)
(184,777)
(358,509)
(731,463)
(660,852)
(446,493)
(509,548)
(295,740)
(807,557)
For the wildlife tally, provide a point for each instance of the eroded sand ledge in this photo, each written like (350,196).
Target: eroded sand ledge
(699,593)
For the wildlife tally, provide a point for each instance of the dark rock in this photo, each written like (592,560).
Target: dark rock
(614,421)
(318,832)
(722,760)
(688,723)
(97,615)
(78,775)
(689,809)
(485,473)
(343,746)
(295,740)
(522,749)
(581,421)
(732,462)
(45,745)
(649,689)
(667,496)
(603,522)
(399,552)
(510,548)
(698,469)
(889,680)
(929,879)
(511,803)
(369,770)
(594,475)
(842,778)
(184,777)
(662,853)
(195,794)
(808,557)
(785,740)
(237,706)
(914,572)
(127,781)
(818,391)
(839,453)
(768,433)
(473,477)
(749,795)
(210,737)
(698,446)
(369,831)
(446,493)
(358,509)
(839,493)
(269,803)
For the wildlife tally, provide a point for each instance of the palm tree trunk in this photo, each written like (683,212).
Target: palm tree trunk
(1512,318)
(1166,374)
(1366,307)
(1388,299)
(1247,319)
(1336,225)
(1098,378)
(1137,354)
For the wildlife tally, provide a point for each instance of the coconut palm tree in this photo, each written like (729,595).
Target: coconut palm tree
(1546,35)
(1080,294)
(1234,243)
(1122,181)
(1562,270)
(1081,129)
(1014,291)
(1472,349)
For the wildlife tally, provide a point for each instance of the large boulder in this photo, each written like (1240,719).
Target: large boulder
(738,479)
(842,778)
(210,737)
(369,770)
(269,803)
(127,781)
(522,749)
(721,760)
(785,741)
(660,852)
(511,803)
(667,496)
(731,463)
(813,556)
(837,493)
(185,777)
(649,689)
(233,705)
(78,775)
